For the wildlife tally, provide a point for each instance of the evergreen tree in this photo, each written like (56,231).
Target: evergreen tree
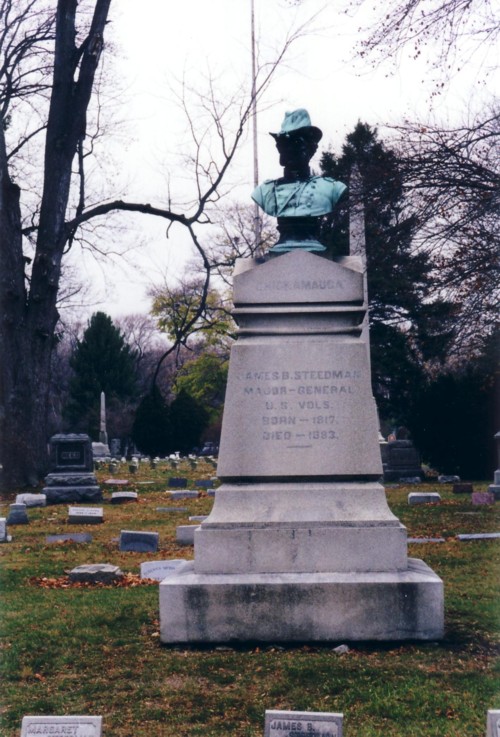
(189,419)
(406,329)
(102,362)
(152,429)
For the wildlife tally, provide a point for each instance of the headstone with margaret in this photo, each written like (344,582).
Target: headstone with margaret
(62,726)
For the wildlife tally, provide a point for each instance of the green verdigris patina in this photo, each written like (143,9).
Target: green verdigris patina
(298,199)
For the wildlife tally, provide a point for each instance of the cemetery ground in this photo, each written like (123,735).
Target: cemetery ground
(95,649)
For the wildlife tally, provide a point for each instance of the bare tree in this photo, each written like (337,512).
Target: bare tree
(49,57)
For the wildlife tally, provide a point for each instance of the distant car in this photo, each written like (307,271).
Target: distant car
(209,449)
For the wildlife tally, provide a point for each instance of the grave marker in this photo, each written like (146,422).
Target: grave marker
(17,515)
(32,500)
(138,541)
(85,515)
(184,534)
(122,497)
(482,497)
(64,726)
(71,478)
(4,538)
(463,488)
(172,509)
(178,483)
(303,724)
(182,494)
(493,723)
(77,537)
(416,497)
(159,569)
(96,573)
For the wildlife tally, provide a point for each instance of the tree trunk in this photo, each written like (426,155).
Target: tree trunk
(28,320)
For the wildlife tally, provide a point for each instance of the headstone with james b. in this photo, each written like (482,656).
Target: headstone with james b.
(71,478)
(300,524)
(303,724)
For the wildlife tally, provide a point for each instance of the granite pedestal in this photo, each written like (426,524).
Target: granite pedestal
(301,544)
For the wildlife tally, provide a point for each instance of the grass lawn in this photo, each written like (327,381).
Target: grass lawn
(96,650)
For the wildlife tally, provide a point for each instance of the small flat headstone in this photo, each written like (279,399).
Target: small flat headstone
(76,726)
(482,497)
(443,479)
(416,497)
(122,497)
(211,492)
(4,538)
(138,541)
(408,480)
(303,724)
(493,723)
(198,517)
(178,483)
(416,540)
(183,494)
(479,536)
(160,569)
(463,488)
(77,537)
(145,483)
(116,482)
(96,573)
(204,483)
(184,534)
(17,515)
(172,509)
(32,500)
(85,515)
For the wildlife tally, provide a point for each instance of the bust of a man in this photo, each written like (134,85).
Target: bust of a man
(298,199)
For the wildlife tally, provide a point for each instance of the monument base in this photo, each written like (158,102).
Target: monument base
(301,607)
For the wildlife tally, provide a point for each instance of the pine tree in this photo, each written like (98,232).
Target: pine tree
(152,429)
(189,419)
(405,328)
(102,362)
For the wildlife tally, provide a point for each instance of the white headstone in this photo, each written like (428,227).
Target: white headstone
(493,723)
(85,515)
(303,724)
(74,726)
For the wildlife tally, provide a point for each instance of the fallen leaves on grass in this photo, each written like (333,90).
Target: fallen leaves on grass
(63,582)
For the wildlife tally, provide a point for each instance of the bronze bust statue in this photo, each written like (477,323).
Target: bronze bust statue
(298,199)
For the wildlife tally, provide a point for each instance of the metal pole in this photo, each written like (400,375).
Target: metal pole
(256,217)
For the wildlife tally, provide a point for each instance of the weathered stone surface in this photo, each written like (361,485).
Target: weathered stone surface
(303,723)
(183,494)
(71,452)
(298,278)
(482,497)
(167,510)
(116,482)
(178,483)
(71,479)
(85,515)
(77,537)
(160,569)
(4,537)
(17,515)
(295,410)
(96,573)
(292,607)
(55,726)
(138,541)
(198,517)
(123,497)
(418,497)
(204,483)
(479,536)
(184,534)
(417,540)
(64,494)
(32,500)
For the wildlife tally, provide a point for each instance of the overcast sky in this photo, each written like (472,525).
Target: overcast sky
(157,44)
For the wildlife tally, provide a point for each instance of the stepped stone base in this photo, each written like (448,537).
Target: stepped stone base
(299,607)
(63,494)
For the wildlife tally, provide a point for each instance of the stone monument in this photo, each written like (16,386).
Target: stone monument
(72,477)
(101,449)
(494,488)
(301,544)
